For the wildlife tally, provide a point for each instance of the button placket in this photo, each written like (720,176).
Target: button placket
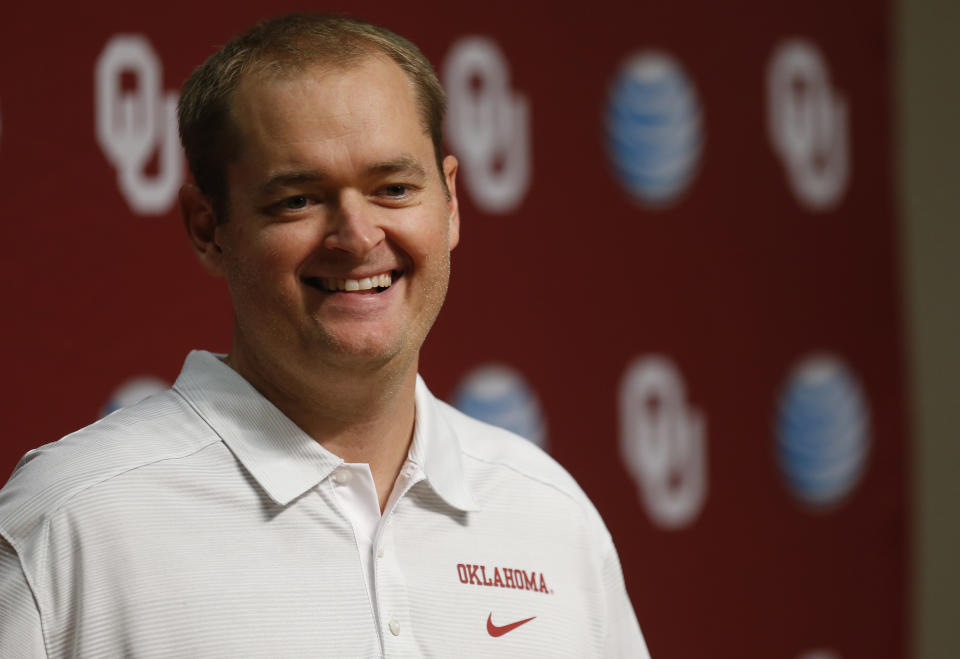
(391,593)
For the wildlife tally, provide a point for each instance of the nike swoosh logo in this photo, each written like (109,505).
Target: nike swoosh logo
(495,631)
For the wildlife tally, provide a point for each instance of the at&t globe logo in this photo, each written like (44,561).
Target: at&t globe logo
(132,392)
(823,431)
(654,128)
(498,395)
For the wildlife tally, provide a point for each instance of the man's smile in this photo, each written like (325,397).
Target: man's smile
(373,284)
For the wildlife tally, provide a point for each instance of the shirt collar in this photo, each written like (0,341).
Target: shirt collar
(284,460)
(436,451)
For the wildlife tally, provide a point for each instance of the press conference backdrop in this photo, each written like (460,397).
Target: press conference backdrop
(677,274)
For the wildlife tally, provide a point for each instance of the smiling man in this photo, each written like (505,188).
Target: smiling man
(305,494)
(337,247)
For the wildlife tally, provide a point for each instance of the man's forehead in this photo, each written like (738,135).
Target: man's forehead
(276,73)
(252,95)
(287,124)
(380,72)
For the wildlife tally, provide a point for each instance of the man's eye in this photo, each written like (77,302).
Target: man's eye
(296,203)
(395,190)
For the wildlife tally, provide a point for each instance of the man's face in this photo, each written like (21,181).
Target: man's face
(337,249)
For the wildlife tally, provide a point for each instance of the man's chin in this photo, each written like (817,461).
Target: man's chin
(365,351)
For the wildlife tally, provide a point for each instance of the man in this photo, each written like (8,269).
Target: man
(305,495)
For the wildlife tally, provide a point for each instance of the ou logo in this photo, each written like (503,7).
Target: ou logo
(662,442)
(487,124)
(132,125)
(807,122)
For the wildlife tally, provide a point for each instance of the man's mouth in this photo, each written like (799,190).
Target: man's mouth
(374,284)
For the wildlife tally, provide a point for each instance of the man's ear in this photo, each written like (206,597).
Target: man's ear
(201,224)
(450,176)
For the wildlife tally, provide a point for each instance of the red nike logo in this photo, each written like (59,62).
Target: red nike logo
(495,631)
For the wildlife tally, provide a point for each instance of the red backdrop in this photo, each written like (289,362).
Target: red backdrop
(678,238)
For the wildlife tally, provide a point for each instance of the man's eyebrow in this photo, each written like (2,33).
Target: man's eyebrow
(291,178)
(403,165)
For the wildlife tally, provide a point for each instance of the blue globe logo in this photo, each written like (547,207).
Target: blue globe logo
(823,433)
(132,392)
(654,128)
(499,395)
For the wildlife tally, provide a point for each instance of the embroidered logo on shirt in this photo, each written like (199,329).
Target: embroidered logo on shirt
(495,631)
(502,577)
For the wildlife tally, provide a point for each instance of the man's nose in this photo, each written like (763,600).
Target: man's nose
(353,227)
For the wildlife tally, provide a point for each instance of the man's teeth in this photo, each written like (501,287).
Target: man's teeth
(377,281)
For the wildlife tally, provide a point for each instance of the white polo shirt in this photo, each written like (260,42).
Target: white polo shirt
(202,522)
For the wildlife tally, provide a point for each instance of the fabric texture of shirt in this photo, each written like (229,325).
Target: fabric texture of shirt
(202,522)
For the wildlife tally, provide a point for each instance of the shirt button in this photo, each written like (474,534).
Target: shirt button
(380,552)
(342,476)
(394,627)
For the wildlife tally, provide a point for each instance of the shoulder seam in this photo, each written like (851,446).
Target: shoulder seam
(116,474)
(45,530)
(125,470)
(122,472)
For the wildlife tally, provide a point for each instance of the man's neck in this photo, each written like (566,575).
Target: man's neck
(360,415)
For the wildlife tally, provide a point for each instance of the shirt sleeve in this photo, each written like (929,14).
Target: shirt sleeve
(20,631)
(624,638)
